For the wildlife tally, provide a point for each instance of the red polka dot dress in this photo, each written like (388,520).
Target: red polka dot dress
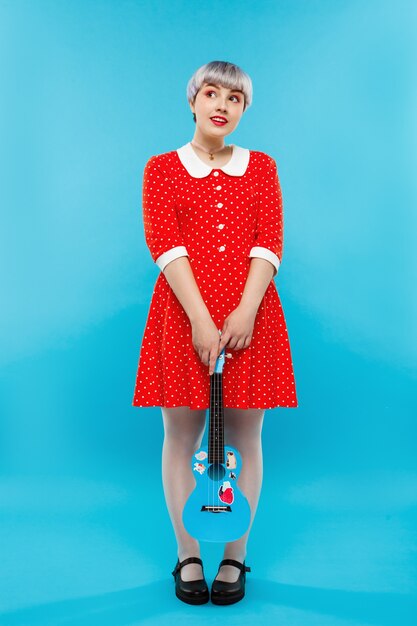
(219,218)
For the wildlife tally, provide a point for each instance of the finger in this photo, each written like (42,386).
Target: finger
(213,359)
(221,346)
(240,343)
(233,342)
(224,341)
(205,357)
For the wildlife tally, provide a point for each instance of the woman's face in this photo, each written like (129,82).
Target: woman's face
(216,100)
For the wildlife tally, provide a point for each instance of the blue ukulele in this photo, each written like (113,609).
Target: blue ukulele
(216,510)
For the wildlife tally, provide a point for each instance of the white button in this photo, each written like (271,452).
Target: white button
(220,204)
(218,187)
(220,226)
(222,248)
(215,173)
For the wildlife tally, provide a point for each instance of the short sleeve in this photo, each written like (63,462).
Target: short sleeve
(162,232)
(270,223)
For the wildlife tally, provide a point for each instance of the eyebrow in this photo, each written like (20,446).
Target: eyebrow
(219,86)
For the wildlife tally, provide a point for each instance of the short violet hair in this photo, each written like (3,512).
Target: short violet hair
(222,73)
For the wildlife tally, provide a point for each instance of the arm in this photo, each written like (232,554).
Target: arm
(238,325)
(165,241)
(160,220)
(205,335)
(260,275)
(180,277)
(269,235)
(268,240)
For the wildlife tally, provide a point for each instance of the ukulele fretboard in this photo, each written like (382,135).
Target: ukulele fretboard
(216,423)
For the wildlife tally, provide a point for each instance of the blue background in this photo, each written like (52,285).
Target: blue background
(90,90)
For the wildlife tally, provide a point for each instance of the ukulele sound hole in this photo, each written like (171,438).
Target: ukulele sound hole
(216,471)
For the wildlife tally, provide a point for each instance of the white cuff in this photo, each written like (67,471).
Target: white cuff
(165,258)
(268,255)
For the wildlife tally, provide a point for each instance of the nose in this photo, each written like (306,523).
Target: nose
(222,107)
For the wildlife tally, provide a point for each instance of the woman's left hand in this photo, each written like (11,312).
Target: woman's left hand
(237,329)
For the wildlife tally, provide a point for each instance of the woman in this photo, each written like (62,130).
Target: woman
(213,223)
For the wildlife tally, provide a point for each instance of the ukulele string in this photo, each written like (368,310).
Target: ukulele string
(216,431)
(218,408)
(219,442)
(215,438)
(209,485)
(216,394)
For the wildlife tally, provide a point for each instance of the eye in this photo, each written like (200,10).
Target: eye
(212,91)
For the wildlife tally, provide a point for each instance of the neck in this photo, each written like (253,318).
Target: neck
(208,142)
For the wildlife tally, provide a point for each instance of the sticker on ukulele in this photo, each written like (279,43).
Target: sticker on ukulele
(199,467)
(226,492)
(201,455)
(232,475)
(231,460)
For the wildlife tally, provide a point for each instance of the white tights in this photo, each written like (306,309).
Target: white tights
(184,430)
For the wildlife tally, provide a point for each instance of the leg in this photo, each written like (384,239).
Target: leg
(243,430)
(184,430)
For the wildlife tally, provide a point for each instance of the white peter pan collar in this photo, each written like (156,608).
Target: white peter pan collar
(198,169)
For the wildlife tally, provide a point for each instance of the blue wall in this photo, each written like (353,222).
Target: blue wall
(90,90)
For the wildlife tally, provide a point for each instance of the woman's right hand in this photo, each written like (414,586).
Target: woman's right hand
(206,341)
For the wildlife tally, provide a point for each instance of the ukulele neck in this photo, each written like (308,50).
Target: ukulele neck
(216,421)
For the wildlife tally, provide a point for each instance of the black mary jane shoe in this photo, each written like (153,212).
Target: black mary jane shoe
(223,592)
(190,591)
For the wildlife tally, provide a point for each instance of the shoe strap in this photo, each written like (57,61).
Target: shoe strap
(191,559)
(241,566)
